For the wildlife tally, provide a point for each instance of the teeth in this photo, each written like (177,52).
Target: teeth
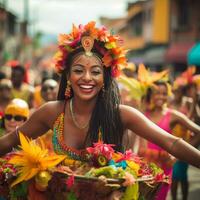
(86,86)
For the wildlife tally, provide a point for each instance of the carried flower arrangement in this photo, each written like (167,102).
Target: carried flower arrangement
(34,170)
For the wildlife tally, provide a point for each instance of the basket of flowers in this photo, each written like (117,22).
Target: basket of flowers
(36,172)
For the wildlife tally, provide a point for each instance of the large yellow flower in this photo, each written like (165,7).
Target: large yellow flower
(32,159)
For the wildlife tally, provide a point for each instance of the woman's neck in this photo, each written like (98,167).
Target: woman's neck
(81,107)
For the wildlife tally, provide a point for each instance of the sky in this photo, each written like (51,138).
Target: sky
(56,16)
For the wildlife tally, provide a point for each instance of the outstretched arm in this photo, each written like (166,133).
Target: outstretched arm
(182,119)
(138,123)
(35,126)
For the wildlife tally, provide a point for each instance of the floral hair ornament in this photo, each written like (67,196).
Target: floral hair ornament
(186,78)
(88,37)
(87,43)
(145,79)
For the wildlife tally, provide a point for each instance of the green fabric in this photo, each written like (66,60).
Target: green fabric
(194,55)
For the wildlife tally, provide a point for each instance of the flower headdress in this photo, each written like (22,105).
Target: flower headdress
(145,79)
(106,44)
(186,78)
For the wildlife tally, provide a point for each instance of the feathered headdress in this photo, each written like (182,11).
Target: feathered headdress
(145,79)
(187,77)
(106,44)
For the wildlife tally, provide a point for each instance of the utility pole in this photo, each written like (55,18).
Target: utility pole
(26,17)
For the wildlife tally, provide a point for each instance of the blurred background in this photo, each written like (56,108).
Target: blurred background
(158,33)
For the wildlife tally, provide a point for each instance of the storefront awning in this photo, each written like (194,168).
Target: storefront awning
(194,55)
(152,56)
(177,52)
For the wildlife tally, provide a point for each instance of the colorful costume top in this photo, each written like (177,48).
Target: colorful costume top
(161,160)
(58,141)
(163,123)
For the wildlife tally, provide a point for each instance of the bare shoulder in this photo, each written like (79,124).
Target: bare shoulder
(49,111)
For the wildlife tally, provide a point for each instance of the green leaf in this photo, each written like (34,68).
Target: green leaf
(131,192)
(71,196)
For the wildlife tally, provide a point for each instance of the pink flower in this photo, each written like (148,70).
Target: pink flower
(101,149)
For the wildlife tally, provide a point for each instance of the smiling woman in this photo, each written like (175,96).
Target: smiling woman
(88,108)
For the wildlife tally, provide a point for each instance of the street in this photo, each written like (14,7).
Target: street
(194,185)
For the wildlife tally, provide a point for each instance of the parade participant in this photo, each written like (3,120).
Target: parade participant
(45,92)
(48,93)
(165,118)
(185,98)
(5,94)
(21,89)
(16,113)
(88,99)
(49,90)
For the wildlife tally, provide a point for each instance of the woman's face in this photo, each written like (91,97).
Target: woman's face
(5,91)
(86,76)
(49,90)
(159,95)
(12,121)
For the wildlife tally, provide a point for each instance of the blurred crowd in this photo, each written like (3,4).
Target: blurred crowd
(150,92)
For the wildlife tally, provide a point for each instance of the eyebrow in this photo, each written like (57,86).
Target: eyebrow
(80,65)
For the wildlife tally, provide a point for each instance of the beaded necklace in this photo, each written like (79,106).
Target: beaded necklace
(58,141)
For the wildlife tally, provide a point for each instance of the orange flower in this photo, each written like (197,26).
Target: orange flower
(91,30)
(107,59)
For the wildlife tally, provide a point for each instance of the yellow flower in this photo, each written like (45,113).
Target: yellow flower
(134,166)
(32,159)
(110,45)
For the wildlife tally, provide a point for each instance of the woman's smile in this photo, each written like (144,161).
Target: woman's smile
(86,88)
(86,76)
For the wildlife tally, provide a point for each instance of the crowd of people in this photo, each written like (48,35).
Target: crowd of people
(69,113)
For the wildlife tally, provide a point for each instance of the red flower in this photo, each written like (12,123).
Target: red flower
(70,181)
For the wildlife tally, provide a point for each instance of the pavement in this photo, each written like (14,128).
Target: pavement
(194,185)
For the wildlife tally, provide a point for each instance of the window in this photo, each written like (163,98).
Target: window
(136,25)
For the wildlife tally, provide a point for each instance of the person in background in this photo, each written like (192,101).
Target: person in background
(5,94)
(185,101)
(21,89)
(166,118)
(49,90)
(45,92)
(16,113)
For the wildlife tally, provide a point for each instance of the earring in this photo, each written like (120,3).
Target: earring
(68,90)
